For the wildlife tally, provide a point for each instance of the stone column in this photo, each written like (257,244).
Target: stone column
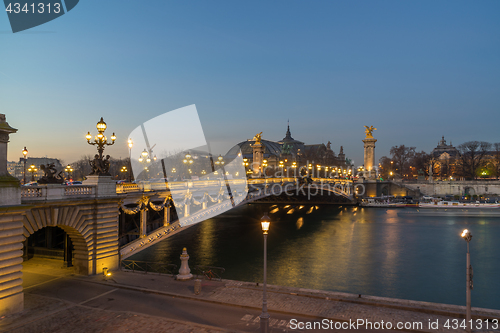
(369,154)
(166,214)
(10,192)
(11,232)
(184,271)
(143,222)
(258,157)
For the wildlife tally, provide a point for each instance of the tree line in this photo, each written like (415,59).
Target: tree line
(471,160)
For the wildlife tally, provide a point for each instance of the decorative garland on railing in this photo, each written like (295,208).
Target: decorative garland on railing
(160,206)
(188,199)
(132,211)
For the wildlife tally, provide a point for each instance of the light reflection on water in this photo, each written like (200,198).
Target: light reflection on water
(357,250)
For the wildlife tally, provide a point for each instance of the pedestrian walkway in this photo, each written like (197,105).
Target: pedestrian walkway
(52,314)
(314,303)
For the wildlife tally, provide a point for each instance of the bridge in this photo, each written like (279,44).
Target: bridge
(197,205)
(92,216)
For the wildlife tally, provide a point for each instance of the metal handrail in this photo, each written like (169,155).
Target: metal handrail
(208,272)
(148,267)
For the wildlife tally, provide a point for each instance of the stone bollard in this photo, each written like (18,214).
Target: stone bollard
(197,286)
(184,271)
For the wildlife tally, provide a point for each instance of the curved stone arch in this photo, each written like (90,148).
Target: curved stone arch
(384,190)
(71,219)
(469,190)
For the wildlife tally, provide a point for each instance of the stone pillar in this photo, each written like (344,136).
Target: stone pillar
(143,222)
(258,157)
(10,192)
(105,185)
(369,154)
(11,258)
(11,232)
(184,271)
(166,214)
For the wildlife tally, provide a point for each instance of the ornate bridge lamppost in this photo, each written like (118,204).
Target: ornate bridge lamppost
(99,165)
(123,170)
(265,222)
(25,153)
(69,171)
(130,145)
(32,169)
(188,160)
(145,159)
(468,317)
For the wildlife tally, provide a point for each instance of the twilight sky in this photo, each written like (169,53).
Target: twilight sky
(415,70)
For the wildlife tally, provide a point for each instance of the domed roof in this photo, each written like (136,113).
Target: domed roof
(270,148)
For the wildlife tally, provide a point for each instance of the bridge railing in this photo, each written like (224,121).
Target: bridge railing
(56,192)
(148,267)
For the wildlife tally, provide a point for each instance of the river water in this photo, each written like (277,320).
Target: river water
(369,251)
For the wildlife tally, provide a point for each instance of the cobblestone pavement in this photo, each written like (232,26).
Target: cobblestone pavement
(48,315)
(45,314)
(332,305)
(326,307)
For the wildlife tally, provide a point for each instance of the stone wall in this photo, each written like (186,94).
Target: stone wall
(439,188)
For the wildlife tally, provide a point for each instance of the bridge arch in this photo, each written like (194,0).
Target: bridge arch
(91,226)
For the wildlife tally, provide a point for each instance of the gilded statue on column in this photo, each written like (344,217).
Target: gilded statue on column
(257,138)
(369,131)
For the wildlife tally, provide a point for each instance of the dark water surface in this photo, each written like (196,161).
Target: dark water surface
(369,251)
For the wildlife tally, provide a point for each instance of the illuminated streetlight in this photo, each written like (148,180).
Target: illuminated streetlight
(25,153)
(468,318)
(265,222)
(123,169)
(69,171)
(32,169)
(100,139)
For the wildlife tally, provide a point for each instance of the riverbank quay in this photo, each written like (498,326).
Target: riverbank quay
(52,312)
(334,306)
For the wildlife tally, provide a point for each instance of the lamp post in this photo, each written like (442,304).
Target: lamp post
(100,139)
(32,169)
(123,170)
(265,222)
(69,171)
(25,153)
(469,284)
(188,160)
(145,158)
(130,145)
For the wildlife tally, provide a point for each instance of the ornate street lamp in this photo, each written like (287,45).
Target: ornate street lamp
(469,286)
(123,170)
(68,170)
(25,153)
(130,145)
(100,139)
(220,161)
(32,169)
(146,159)
(265,222)
(99,165)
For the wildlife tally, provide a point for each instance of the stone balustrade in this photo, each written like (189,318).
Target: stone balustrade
(56,192)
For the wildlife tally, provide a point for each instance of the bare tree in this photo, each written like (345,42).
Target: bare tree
(401,156)
(384,167)
(496,147)
(420,163)
(471,156)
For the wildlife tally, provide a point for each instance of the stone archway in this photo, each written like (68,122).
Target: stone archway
(92,227)
(469,191)
(38,218)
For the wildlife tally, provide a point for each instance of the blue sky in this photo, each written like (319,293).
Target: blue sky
(415,70)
